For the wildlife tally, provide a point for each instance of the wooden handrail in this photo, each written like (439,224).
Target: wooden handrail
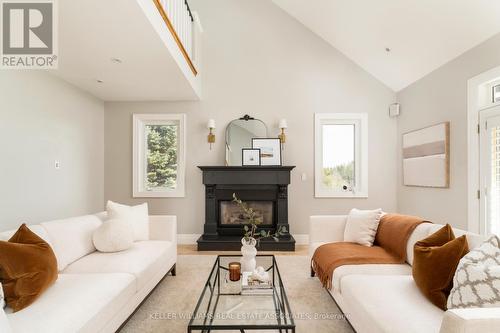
(178,41)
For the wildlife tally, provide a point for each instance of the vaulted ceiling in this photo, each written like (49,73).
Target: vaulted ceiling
(399,41)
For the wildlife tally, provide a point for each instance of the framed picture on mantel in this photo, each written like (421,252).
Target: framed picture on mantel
(270,150)
(250,156)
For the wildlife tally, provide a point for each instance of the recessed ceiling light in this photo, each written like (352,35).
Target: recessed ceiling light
(99,81)
(116,60)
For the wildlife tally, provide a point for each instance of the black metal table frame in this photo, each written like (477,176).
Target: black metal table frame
(281,306)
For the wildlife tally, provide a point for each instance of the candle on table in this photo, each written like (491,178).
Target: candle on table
(234,271)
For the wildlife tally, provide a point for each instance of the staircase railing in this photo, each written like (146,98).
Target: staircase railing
(180,21)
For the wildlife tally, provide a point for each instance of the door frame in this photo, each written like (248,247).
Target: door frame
(474,105)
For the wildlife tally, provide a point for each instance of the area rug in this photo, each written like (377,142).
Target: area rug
(169,307)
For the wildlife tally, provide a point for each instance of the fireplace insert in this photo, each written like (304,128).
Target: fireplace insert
(231,214)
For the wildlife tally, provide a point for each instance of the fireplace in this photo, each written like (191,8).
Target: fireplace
(265,189)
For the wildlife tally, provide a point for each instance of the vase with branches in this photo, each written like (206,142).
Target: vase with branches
(251,228)
(253,236)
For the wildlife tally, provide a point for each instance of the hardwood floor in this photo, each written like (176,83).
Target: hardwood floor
(300,250)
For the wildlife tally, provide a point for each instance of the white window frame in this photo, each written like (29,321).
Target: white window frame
(140,121)
(360,121)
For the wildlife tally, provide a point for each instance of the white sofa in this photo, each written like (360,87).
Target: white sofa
(94,292)
(384,298)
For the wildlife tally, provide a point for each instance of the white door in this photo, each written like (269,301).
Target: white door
(490,170)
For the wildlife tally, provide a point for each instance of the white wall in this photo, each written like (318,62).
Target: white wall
(258,60)
(43,119)
(442,96)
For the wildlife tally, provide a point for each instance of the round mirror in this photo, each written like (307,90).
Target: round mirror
(239,135)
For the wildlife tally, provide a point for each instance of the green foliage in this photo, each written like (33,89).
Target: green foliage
(162,156)
(338,176)
(253,221)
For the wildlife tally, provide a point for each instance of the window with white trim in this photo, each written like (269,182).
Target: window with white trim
(341,155)
(159,155)
(496,93)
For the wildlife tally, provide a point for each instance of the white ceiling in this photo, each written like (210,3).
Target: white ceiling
(422,34)
(91,32)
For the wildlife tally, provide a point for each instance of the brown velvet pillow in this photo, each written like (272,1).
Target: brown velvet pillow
(435,262)
(28,267)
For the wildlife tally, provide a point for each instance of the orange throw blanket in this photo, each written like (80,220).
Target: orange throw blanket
(389,248)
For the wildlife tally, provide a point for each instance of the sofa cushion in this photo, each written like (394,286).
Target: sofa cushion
(2,297)
(75,303)
(420,232)
(36,228)
(4,322)
(28,267)
(72,238)
(143,260)
(367,269)
(425,229)
(474,240)
(391,303)
(435,261)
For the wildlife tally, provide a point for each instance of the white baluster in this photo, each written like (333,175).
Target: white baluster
(189,40)
(186,34)
(169,9)
(184,28)
(175,14)
(186,25)
(183,19)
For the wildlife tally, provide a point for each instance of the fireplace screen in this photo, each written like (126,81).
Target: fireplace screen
(231,214)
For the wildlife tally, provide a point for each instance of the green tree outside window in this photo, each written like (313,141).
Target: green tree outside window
(161,156)
(339,176)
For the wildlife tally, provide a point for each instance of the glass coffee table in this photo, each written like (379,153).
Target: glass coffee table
(221,307)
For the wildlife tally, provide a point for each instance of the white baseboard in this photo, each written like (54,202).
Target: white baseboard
(187,239)
(190,239)
(301,239)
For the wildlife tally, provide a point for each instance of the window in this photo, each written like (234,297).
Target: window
(341,155)
(159,155)
(496,93)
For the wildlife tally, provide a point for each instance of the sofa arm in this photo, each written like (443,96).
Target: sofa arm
(484,320)
(163,227)
(326,228)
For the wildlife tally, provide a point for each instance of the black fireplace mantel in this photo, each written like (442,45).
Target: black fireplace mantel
(249,183)
(269,175)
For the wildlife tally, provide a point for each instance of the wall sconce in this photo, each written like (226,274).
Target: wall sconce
(211,135)
(282,126)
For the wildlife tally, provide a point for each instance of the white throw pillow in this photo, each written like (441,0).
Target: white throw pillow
(362,225)
(137,216)
(476,283)
(113,236)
